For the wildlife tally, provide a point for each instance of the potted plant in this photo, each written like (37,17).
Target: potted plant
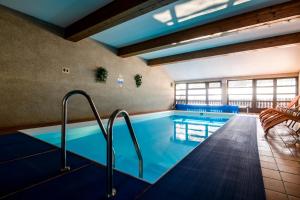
(138,80)
(101,74)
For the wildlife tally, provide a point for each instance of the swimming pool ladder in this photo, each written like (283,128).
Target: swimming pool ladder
(109,162)
(64,166)
(108,135)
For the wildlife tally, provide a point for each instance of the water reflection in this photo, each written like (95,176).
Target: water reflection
(191,131)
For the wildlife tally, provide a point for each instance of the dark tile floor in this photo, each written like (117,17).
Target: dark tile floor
(30,169)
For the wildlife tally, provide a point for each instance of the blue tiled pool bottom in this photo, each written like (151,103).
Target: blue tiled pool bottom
(163,141)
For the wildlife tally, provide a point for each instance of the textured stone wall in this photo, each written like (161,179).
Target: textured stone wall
(32,83)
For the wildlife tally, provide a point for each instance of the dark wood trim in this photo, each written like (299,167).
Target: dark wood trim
(186,93)
(254,18)
(8,130)
(206,91)
(254,93)
(233,48)
(112,14)
(275,92)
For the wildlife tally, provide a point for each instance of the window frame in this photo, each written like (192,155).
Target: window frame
(255,104)
(203,102)
(206,95)
(243,104)
(270,103)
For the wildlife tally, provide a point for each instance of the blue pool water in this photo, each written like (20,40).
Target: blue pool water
(164,141)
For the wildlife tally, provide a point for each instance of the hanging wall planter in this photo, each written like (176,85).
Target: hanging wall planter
(101,74)
(138,80)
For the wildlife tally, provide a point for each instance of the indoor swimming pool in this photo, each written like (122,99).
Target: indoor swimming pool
(164,138)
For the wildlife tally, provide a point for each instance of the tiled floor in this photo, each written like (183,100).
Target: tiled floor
(280,162)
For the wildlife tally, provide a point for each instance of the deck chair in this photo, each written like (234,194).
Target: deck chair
(292,115)
(276,113)
(272,110)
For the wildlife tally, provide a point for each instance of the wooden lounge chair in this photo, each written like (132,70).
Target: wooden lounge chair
(277,113)
(274,114)
(292,115)
(272,110)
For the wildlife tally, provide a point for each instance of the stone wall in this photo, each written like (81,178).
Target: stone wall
(32,83)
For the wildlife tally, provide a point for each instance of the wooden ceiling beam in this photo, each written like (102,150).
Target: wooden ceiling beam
(233,48)
(114,13)
(265,15)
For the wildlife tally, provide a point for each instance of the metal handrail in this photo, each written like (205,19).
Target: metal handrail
(64,166)
(109,165)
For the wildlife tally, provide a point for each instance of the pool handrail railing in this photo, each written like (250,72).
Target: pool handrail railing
(64,166)
(109,160)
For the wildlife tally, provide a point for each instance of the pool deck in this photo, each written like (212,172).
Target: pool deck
(225,166)
(237,162)
(280,163)
(30,169)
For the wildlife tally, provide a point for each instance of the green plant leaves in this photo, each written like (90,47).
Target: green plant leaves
(138,80)
(101,74)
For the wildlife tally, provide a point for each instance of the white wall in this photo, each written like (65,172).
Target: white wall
(284,59)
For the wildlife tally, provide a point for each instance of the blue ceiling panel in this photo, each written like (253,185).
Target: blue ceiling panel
(58,12)
(177,16)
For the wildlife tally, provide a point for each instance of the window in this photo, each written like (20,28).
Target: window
(180,93)
(214,93)
(264,93)
(255,94)
(240,93)
(269,92)
(197,93)
(286,90)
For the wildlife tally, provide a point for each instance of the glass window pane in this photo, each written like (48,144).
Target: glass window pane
(286,81)
(180,86)
(285,90)
(215,91)
(180,92)
(240,91)
(244,83)
(264,90)
(214,84)
(198,102)
(197,97)
(264,97)
(240,97)
(190,92)
(196,85)
(264,82)
(214,97)
(285,97)
(180,97)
